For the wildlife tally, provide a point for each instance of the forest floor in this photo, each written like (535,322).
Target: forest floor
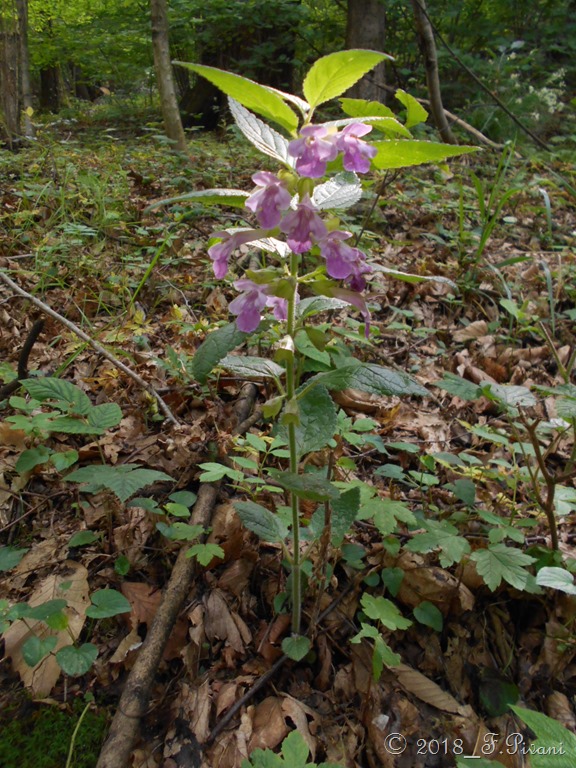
(77,231)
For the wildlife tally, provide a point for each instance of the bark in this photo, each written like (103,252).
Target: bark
(366,28)
(428,47)
(164,75)
(10,93)
(25,85)
(50,88)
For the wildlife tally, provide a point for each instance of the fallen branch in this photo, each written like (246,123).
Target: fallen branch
(133,703)
(90,341)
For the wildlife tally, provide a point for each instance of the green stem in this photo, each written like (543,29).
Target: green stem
(75,734)
(293,450)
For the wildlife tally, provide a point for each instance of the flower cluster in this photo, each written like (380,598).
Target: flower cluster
(298,219)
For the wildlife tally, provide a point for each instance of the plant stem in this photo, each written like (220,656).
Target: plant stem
(293,450)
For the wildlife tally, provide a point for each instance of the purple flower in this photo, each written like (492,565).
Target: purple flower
(313,151)
(342,261)
(357,153)
(249,305)
(270,200)
(302,226)
(356,299)
(220,252)
(280,306)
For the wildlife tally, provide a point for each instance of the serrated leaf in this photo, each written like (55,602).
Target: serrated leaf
(77,661)
(296,647)
(295,750)
(10,557)
(344,512)
(105,415)
(67,396)
(555,746)
(248,366)
(107,603)
(261,521)
(255,97)
(456,385)
(313,305)
(403,153)
(35,649)
(341,191)
(264,138)
(318,420)
(180,531)
(508,394)
(310,486)
(383,610)
(385,381)
(123,480)
(415,112)
(214,347)
(64,459)
(556,578)
(444,536)
(500,562)
(69,425)
(205,553)
(331,75)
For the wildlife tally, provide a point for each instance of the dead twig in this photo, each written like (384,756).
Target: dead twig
(90,341)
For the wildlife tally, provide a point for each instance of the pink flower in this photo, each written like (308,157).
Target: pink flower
(313,151)
(342,261)
(220,252)
(357,153)
(302,226)
(249,305)
(356,299)
(270,200)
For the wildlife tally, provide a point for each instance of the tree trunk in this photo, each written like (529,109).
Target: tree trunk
(50,88)
(164,76)
(428,48)
(22,6)
(366,28)
(10,93)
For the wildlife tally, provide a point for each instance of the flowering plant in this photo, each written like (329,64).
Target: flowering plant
(314,266)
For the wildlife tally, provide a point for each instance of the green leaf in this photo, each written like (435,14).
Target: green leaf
(82,539)
(264,138)
(383,610)
(10,557)
(331,75)
(235,198)
(253,96)
(105,416)
(464,490)
(252,367)
(389,124)
(556,578)
(47,610)
(186,498)
(176,510)
(71,425)
(122,565)
(341,191)
(385,381)
(344,511)
(214,472)
(429,615)
(495,692)
(296,647)
(180,531)
(32,457)
(261,521)
(314,487)
(76,661)
(318,420)
(557,745)
(415,112)
(403,153)
(444,536)
(313,305)
(123,480)
(66,396)
(295,751)
(107,603)
(144,502)
(205,553)
(508,394)
(500,562)
(214,347)
(64,459)
(35,649)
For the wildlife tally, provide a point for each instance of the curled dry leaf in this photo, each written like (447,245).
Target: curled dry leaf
(428,691)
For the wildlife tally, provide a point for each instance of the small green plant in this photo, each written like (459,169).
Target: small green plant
(294,753)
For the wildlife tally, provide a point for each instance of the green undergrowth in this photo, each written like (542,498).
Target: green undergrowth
(39,736)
